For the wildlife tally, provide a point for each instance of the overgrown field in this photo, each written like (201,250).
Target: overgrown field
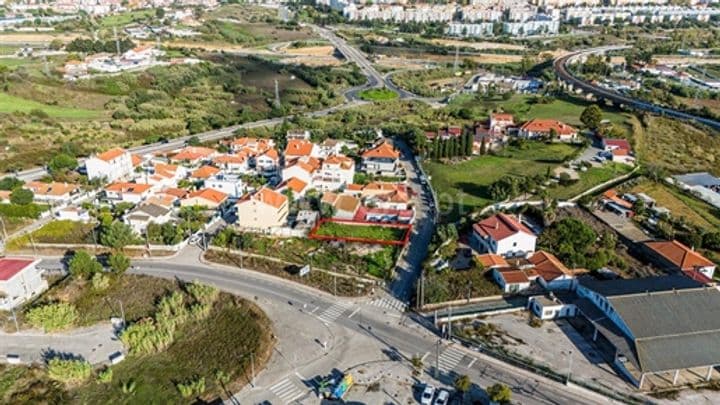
(464,187)
(216,344)
(370,232)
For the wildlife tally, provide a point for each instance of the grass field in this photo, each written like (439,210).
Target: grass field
(680,204)
(378,95)
(589,179)
(463,187)
(222,341)
(117,20)
(56,232)
(676,146)
(373,232)
(9,104)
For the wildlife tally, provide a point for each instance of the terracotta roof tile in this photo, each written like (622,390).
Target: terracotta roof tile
(205,172)
(208,194)
(545,125)
(111,154)
(298,147)
(384,150)
(680,255)
(499,227)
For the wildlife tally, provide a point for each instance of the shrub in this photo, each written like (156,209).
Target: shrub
(100,281)
(69,371)
(117,235)
(145,337)
(119,262)
(21,196)
(32,211)
(499,393)
(62,162)
(202,293)
(192,387)
(105,375)
(52,317)
(84,265)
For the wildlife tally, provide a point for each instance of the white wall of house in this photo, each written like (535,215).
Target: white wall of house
(112,170)
(380,166)
(258,215)
(22,286)
(518,245)
(232,186)
(508,287)
(297,171)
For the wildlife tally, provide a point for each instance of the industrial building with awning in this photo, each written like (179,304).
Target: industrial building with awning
(663,331)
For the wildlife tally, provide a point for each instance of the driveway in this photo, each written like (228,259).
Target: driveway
(94,344)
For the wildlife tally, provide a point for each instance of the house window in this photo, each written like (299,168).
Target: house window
(514,244)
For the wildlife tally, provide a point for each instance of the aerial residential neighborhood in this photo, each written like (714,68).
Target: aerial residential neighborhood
(338,201)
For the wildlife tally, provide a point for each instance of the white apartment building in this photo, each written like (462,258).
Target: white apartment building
(230,184)
(337,171)
(111,165)
(470,30)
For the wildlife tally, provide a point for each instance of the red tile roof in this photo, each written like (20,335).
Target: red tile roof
(296,185)
(193,153)
(10,267)
(499,227)
(208,194)
(544,126)
(298,147)
(384,150)
(111,154)
(680,255)
(130,188)
(267,196)
(548,266)
(490,260)
(501,117)
(514,276)
(205,172)
(618,143)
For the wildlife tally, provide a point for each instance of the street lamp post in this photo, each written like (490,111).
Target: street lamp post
(569,354)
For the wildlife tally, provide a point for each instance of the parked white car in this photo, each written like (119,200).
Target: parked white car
(427,395)
(442,398)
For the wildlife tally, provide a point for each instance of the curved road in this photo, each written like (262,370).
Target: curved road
(560,66)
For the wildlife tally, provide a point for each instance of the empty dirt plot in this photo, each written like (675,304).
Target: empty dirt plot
(35,38)
(325,50)
(480,46)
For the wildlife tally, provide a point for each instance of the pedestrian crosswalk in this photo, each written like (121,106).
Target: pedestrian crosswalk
(334,312)
(389,303)
(286,390)
(449,359)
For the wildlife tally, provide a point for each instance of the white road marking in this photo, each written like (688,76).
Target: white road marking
(472,362)
(450,358)
(286,390)
(313,311)
(334,312)
(390,303)
(354,312)
(424,356)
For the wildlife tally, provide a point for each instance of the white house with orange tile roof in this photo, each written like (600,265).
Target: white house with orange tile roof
(233,163)
(398,199)
(336,172)
(675,256)
(193,155)
(552,273)
(503,235)
(252,146)
(127,192)
(110,165)
(543,128)
(53,192)
(204,172)
(499,122)
(382,159)
(268,162)
(297,186)
(512,280)
(147,213)
(262,210)
(162,175)
(206,198)
(297,148)
(230,184)
(304,168)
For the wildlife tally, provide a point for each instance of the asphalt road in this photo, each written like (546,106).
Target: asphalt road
(360,330)
(560,66)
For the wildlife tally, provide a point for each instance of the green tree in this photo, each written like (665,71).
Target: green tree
(160,12)
(83,265)
(499,393)
(193,141)
(119,262)
(10,183)
(711,240)
(591,116)
(117,235)
(21,196)
(570,240)
(61,163)
(462,384)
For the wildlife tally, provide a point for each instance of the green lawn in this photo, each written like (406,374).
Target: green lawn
(565,109)
(681,205)
(9,104)
(125,18)
(589,179)
(463,187)
(375,232)
(378,95)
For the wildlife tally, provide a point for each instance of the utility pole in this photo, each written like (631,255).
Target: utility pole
(32,242)
(457,56)
(335,284)
(450,324)
(117,41)
(277,94)
(252,369)
(437,358)
(122,313)
(570,352)
(14,315)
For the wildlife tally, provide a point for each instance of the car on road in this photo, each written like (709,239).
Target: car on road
(442,398)
(427,395)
